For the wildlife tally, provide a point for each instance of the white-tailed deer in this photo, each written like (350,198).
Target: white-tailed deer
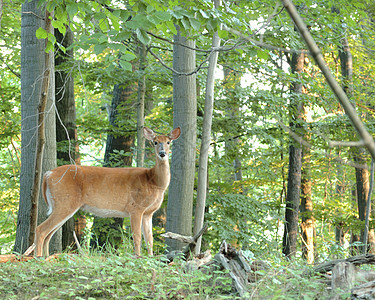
(107,192)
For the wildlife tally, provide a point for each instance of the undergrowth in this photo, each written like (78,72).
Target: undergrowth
(113,276)
(108,277)
(117,274)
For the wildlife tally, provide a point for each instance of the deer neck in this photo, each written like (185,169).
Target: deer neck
(161,173)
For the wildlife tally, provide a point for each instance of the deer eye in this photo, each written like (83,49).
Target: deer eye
(155,143)
(168,142)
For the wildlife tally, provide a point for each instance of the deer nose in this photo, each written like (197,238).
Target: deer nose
(162,154)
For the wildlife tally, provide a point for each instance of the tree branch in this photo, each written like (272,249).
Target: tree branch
(336,88)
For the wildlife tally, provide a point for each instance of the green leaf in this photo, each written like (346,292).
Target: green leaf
(262,54)
(41,33)
(128,56)
(99,48)
(51,38)
(125,65)
(163,15)
(223,34)
(204,14)
(172,27)
(150,9)
(185,23)
(195,24)
(72,9)
(142,36)
(60,26)
(49,47)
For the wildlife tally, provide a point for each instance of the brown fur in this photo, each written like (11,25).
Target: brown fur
(108,192)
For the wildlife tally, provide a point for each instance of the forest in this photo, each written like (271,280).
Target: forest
(275,156)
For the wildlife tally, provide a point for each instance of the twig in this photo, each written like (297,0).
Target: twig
(77,242)
(181,73)
(333,144)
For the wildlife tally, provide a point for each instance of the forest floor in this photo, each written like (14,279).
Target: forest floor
(122,276)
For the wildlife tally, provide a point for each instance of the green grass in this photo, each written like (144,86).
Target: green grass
(108,277)
(119,275)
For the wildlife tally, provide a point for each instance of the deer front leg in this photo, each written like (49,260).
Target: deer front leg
(136,221)
(147,232)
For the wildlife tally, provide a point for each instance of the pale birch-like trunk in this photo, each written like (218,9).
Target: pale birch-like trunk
(141,105)
(206,138)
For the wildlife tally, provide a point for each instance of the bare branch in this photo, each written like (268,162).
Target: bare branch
(261,44)
(333,144)
(301,141)
(335,87)
(10,69)
(181,73)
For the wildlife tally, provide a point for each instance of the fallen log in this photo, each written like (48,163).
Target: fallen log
(364,291)
(356,260)
(241,272)
(191,243)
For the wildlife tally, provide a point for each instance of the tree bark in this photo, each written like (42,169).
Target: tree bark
(66,131)
(141,105)
(308,223)
(181,188)
(32,69)
(206,138)
(295,164)
(41,137)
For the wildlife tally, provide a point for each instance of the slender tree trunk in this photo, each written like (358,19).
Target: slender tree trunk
(32,69)
(295,165)
(340,189)
(307,224)
(109,230)
(206,138)
(181,188)
(141,105)
(362,175)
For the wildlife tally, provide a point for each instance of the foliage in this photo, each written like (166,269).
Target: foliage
(9,123)
(99,275)
(230,220)
(251,102)
(108,276)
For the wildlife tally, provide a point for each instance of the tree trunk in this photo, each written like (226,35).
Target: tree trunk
(339,229)
(206,138)
(181,188)
(362,184)
(32,68)
(307,224)
(109,230)
(295,164)
(362,175)
(141,105)
(66,131)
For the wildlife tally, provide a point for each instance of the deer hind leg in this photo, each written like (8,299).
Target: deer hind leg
(47,229)
(136,224)
(147,232)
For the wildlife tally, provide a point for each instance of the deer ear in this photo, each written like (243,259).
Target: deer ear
(148,133)
(175,133)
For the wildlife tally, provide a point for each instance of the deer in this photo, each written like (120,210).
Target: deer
(107,192)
